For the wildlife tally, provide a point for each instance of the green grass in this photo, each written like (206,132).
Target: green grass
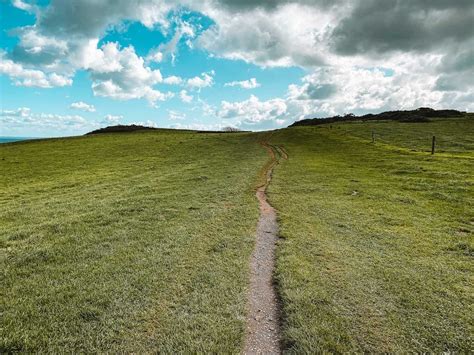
(453,135)
(377,244)
(141,242)
(127,243)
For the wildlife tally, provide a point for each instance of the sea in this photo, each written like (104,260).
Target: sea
(14,139)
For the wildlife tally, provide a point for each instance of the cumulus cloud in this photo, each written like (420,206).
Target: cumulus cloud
(313,89)
(337,90)
(37,49)
(256,114)
(253,110)
(245,5)
(147,123)
(203,81)
(158,54)
(384,26)
(273,32)
(348,89)
(65,39)
(112,119)
(175,115)
(183,95)
(245,84)
(173,80)
(19,112)
(285,36)
(23,118)
(20,4)
(80,105)
(456,70)
(90,18)
(121,74)
(198,126)
(22,76)
(343,46)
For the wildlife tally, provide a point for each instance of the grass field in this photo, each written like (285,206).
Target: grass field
(453,136)
(377,244)
(130,242)
(141,242)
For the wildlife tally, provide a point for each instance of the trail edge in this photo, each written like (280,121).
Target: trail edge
(262,323)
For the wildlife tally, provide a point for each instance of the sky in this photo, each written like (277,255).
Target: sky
(71,66)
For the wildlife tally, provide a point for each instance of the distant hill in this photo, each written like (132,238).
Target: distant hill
(422,114)
(134,128)
(122,128)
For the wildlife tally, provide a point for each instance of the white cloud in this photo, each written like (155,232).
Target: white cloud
(245,84)
(23,119)
(275,33)
(345,88)
(147,123)
(155,56)
(198,126)
(334,41)
(173,80)
(206,109)
(203,81)
(31,77)
(175,115)
(20,4)
(112,119)
(338,90)
(253,110)
(158,54)
(36,49)
(80,105)
(85,18)
(121,74)
(58,80)
(183,95)
(288,35)
(19,112)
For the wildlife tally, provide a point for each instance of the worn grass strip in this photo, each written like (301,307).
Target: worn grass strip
(263,314)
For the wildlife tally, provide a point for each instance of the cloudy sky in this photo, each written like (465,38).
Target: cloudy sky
(70,66)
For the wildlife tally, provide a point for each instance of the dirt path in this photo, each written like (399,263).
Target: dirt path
(262,332)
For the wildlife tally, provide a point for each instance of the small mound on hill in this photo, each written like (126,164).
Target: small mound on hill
(422,114)
(121,129)
(134,128)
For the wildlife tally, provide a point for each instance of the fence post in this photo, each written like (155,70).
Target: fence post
(373,137)
(433,144)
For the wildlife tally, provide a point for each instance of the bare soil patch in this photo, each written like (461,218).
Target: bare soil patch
(263,328)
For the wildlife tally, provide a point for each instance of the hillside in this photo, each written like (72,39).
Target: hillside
(134,235)
(376,238)
(138,128)
(122,129)
(422,114)
(141,242)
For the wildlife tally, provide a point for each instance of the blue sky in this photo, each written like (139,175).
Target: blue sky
(69,67)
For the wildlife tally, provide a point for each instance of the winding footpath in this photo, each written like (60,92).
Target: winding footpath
(263,331)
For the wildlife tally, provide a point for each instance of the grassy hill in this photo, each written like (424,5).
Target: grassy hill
(141,241)
(377,239)
(128,242)
(422,114)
